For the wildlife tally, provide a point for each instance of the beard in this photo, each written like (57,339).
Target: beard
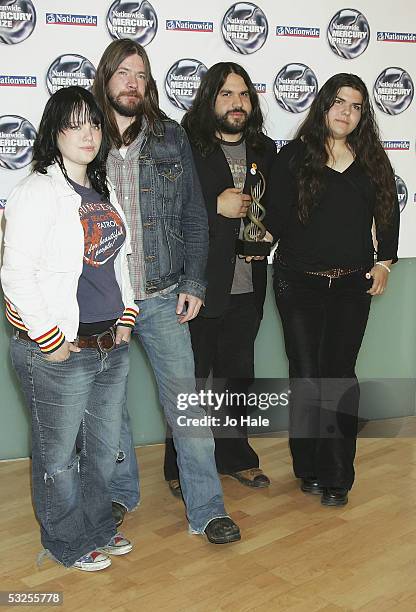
(126,110)
(228,126)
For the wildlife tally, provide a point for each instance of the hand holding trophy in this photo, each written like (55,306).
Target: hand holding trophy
(253,244)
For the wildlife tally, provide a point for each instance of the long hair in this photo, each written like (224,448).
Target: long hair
(364,142)
(64,108)
(200,121)
(111,59)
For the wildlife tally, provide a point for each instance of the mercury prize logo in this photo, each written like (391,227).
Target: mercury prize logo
(135,20)
(402,192)
(393,90)
(295,87)
(182,82)
(17,136)
(348,33)
(244,28)
(70,69)
(17,21)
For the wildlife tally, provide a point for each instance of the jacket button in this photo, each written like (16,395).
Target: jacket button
(150,257)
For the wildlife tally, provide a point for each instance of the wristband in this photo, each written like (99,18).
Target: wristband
(383,265)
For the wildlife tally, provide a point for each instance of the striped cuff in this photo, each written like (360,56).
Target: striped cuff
(128,318)
(50,341)
(13,317)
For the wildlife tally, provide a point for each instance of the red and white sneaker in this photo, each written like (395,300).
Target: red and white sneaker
(92,562)
(118,545)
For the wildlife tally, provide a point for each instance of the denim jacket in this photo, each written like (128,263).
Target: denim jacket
(172,211)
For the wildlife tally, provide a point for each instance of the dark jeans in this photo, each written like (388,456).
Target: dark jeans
(224,346)
(323,324)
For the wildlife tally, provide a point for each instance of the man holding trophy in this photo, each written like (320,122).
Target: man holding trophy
(233,158)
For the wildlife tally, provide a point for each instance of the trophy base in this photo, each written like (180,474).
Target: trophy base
(252,248)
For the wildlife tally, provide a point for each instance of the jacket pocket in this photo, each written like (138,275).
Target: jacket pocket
(170,170)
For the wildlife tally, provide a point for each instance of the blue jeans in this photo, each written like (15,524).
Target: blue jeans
(168,347)
(85,393)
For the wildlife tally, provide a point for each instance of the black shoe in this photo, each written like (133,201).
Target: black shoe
(254,477)
(118,511)
(222,531)
(175,488)
(334,496)
(311,486)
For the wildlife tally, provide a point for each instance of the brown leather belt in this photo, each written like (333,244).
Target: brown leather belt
(335,272)
(104,342)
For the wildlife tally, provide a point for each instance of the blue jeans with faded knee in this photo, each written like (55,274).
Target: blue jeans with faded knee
(71,492)
(168,347)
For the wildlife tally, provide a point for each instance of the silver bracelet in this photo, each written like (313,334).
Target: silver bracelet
(383,265)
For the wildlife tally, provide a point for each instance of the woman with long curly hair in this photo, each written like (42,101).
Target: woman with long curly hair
(331,184)
(70,302)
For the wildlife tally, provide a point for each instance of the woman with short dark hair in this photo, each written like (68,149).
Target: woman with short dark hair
(330,184)
(69,299)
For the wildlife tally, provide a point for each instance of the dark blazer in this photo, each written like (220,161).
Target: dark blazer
(215,176)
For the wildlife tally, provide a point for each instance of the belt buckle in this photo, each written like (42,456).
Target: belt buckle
(102,335)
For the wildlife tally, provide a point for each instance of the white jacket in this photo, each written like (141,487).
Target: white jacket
(43,255)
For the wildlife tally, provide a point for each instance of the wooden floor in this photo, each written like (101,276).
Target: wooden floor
(294,555)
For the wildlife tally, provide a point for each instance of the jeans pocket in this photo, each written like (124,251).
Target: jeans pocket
(44,358)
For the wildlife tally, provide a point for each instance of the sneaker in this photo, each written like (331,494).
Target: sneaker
(118,545)
(92,562)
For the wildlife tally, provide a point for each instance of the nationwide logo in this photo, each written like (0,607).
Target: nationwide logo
(70,69)
(2,203)
(68,19)
(396,145)
(135,20)
(17,81)
(17,136)
(182,82)
(396,37)
(295,87)
(348,33)
(393,90)
(260,87)
(402,193)
(17,21)
(297,31)
(189,26)
(244,28)
(281,143)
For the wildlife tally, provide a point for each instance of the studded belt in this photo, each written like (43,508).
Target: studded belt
(335,272)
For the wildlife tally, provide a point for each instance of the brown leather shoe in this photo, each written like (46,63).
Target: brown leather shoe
(254,477)
(175,488)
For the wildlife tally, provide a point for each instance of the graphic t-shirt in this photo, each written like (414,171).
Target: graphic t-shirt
(235,153)
(99,295)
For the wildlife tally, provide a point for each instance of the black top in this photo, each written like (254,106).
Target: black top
(215,176)
(338,233)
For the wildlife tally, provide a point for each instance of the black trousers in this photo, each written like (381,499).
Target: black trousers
(323,324)
(224,347)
